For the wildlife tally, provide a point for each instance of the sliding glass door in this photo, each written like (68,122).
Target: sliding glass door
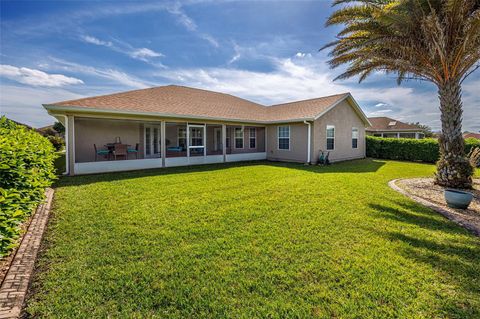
(152,141)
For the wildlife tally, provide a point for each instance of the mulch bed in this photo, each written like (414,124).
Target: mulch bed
(423,190)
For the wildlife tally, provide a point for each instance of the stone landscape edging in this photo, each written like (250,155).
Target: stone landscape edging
(465,224)
(14,287)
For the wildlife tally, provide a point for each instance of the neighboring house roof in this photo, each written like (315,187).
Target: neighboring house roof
(181,101)
(385,124)
(472,135)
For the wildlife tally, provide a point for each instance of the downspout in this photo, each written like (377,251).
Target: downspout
(309,139)
(67,143)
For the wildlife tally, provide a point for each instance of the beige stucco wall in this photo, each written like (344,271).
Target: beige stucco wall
(100,132)
(298,143)
(344,118)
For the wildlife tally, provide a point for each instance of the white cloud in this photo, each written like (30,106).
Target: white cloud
(189,24)
(96,41)
(381,104)
(302,55)
(117,76)
(238,53)
(36,77)
(144,54)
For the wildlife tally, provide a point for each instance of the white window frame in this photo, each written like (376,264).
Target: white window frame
(278,138)
(254,137)
(326,135)
(182,137)
(235,138)
(354,129)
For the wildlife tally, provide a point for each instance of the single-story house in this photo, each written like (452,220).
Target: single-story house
(388,127)
(175,125)
(471,135)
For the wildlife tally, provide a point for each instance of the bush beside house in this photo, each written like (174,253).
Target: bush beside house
(26,169)
(423,150)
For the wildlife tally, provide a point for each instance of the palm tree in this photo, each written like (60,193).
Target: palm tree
(432,40)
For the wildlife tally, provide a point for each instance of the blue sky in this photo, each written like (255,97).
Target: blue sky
(263,51)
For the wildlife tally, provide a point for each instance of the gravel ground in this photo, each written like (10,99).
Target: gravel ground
(425,189)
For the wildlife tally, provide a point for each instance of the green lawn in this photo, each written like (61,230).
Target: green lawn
(254,241)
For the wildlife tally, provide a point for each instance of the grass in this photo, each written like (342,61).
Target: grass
(253,240)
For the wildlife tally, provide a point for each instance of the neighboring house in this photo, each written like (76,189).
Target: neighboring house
(388,127)
(471,135)
(175,125)
(47,130)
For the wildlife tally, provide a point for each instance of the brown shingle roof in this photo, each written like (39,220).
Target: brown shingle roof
(184,101)
(305,108)
(389,124)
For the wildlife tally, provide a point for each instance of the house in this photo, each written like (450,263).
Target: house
(175,125)
(388,127)
(471,135)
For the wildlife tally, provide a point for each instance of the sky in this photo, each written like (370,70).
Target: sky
(264,51)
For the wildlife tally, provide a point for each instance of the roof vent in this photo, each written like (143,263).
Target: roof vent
(392,123)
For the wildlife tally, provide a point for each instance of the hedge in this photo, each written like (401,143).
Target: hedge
(409,149)
(26,169)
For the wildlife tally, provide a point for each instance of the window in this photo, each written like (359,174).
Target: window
(284,137)
(196,136)
(354,137)
(330,137)
(182,137)
(253,137)
(238,137)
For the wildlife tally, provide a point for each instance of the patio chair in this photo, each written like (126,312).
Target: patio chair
(323,158)
(98,152)
(120,150)
(134,151)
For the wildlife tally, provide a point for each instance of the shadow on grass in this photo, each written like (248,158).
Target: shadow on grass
(366,165)
(457,257)
(354,166)
(115,176)
(415,214)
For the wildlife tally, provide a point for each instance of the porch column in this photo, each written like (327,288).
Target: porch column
(163,149)
(416,135)
(224,142)
(204,140)
(382,134)
(398,135)
(70,132)
(188,142)
(266,144)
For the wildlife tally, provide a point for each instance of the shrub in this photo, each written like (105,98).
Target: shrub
(424,150)
(57,142)
(26,169)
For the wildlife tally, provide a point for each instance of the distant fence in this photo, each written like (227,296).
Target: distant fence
(409,149)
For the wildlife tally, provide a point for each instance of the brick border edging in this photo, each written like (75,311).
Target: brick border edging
(445,212)
(15,284)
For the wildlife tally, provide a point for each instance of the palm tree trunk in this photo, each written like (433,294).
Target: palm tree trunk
(453,169)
